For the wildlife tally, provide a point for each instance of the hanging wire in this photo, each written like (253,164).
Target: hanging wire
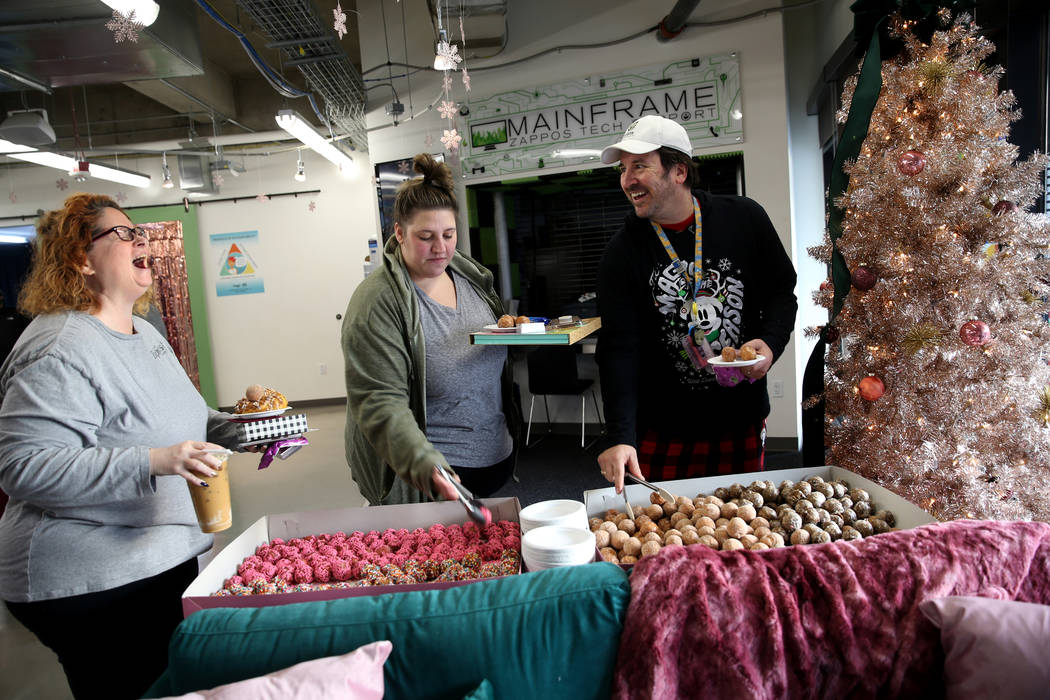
(408,76)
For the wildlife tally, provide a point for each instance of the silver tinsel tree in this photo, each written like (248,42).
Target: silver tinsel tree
(938,385)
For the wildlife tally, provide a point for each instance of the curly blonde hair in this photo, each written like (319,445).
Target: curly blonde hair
(63,237)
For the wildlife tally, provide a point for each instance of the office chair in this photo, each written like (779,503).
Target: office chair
(552,372)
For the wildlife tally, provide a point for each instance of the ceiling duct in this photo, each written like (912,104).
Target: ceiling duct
(310,45)
(195,174)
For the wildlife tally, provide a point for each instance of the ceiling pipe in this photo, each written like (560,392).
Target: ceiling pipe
(675,21)
(199,143)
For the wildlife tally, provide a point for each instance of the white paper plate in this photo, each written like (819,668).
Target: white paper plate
(719,362)
(258,415)
(493,328)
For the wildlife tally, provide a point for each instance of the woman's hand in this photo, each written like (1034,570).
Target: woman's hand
(186,459)
(613,461)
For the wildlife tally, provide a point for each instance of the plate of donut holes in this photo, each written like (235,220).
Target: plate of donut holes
(507,324)
(732,357)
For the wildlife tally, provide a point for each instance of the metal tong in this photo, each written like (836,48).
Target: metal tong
(475,509)
(664,493)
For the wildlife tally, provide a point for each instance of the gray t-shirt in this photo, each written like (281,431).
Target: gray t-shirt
(465,420)
(81,406)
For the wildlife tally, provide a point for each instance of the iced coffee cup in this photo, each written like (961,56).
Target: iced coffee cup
(212,502)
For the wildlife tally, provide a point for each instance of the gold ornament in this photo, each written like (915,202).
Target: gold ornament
(921,337)
(935,74)
(1043,412)
(1028,297)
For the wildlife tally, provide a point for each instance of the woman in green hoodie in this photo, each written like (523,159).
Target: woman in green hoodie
(418,393)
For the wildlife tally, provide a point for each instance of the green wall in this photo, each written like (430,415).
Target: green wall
(195,279)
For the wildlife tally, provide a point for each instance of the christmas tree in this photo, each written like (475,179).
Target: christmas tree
(937,383)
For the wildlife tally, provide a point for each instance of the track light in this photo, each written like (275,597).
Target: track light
(290,121)
(300,170)
(146,11)
(167,183)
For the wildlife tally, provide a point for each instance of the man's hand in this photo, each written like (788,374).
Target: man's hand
(613,460)
(757,371)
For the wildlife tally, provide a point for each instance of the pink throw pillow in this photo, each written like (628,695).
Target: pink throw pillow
(992,648)
(356,676)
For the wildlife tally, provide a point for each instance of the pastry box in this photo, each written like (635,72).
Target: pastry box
(287,526)
(908,515)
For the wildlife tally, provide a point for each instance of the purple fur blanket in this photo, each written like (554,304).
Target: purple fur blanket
(817,621)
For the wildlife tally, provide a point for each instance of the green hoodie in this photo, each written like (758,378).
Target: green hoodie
(385,355)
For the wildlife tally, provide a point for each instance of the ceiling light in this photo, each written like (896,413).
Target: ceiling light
(9,147)
(75,167)
(442,62)
(300,170)
(146,11)
(290,121)
(167,183)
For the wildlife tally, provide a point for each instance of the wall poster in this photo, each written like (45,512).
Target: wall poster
(570,122)
(237,271)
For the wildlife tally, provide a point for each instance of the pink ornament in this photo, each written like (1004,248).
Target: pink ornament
(975,333)
(871,388)
(863,278)
(1004,206)
(911,162)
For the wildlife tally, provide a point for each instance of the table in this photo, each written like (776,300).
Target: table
(561,336)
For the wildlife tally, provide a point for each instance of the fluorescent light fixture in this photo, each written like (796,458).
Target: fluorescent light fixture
(11,147)
(9,238)
(576,153)
(146,11)
(290,121)
(48,158)
(72,165)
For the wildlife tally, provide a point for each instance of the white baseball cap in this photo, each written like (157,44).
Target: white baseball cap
(648,134)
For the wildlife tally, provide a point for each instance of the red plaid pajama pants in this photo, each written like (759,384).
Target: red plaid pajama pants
(733,452)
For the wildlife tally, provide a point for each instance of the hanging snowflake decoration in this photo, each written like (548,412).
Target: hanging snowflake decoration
(261,198)
(61,183)
(404,167)
(124,26)
(448,109)
(451,139)
(466,79)
(428,140)
(313,205)
(216,179)
(13,197)
(449,52)
(120,196)
(463,38)
(446,84)
(340,20)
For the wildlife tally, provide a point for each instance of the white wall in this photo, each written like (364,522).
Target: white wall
(310,262)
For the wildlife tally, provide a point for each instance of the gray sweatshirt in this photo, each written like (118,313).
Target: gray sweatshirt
(81,407)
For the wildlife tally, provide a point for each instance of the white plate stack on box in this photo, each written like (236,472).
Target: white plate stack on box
(907,515)
(565,513)
(291,525)
(556,533)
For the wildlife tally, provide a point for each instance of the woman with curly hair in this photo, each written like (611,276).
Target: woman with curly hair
(99,427)
(418,393)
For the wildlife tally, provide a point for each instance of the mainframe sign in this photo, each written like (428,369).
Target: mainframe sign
(568,123)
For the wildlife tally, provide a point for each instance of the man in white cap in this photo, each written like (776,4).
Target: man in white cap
(690,273)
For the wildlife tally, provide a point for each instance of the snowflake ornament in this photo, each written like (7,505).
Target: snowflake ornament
(466,79)
(446,83)
(313,205)
(451,139)
(449,52)
(120,196)
(448,109)
(61,183)
(13,197)
(404,167)
(124,26)
(261,198)
(340,20)
(216,179)
(428,140)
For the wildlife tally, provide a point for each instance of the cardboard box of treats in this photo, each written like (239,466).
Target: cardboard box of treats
(774,530)
(288,526)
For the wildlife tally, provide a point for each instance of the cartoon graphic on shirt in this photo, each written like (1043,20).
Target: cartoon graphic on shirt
(719,312)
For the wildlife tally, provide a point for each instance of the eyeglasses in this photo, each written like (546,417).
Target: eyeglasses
(124,233)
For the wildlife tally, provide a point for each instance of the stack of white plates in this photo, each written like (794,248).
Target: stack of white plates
(565,513)
(554,545)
